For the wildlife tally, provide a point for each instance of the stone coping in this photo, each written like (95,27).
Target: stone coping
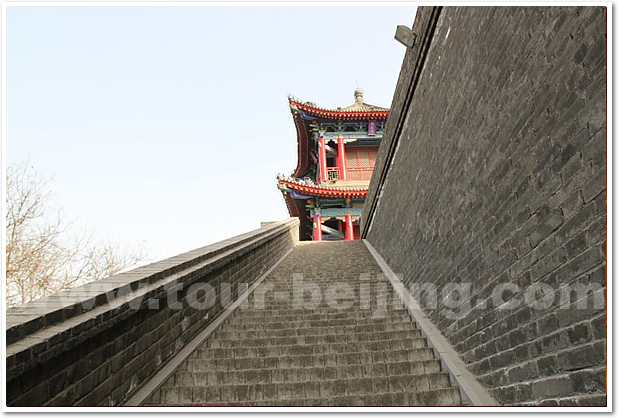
(46,327)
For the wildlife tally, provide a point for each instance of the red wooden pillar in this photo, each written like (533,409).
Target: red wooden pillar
(349,227)
(322,158)
(343,173)
(317,228)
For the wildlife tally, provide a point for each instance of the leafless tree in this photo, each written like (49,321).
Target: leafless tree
(104,260)
(42,256)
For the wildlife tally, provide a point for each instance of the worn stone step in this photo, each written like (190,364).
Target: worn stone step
(364,259)
(354,310)
(301,390)
(352,329)
(284,354)
(273,306)
(361,276)
(236,324)
(285,300)
(254,376)
(289,272)
(316,315)
(364,282)
(370,282)
(290,267)
(288,296)
(304,349)
(309,360)
(438,397)
(235,340)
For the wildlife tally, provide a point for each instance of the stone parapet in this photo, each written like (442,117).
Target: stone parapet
(96,344)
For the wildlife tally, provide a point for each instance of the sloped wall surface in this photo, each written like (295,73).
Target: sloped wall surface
(489,198)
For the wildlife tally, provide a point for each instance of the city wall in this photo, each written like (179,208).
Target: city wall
(98,344)
(490,193)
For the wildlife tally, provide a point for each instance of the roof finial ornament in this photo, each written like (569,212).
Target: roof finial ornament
(358,95)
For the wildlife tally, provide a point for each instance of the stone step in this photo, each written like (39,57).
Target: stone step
(315,331)
(349,330)
(353,292)
(356,278)
(438,397)
(309,360)
(301,390)
(289,294)
(252,340)
(273,304)
(289,268)
(370,282)
(292,263)
(289,271)
(334,323)
(268,313)
(281,353)
(332,285)
(255,376)
(316,315)
(325,282)
(305,349)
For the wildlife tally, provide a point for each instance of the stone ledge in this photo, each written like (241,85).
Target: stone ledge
(27,319)
(101,307)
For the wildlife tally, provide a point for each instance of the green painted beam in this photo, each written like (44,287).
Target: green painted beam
(334,212)
(332,231)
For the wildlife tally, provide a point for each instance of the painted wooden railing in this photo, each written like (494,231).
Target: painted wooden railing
(359,173)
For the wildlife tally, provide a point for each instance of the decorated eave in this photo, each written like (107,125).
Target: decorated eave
(302,134)
(327,191)
(306,112)
(293,209)
(357,111)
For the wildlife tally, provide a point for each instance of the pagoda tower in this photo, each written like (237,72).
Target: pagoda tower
(337,149)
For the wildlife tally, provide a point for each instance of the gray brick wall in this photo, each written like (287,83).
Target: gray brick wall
(89,347)
(492,177)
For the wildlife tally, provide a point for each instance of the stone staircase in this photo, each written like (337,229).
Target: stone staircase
(283,348)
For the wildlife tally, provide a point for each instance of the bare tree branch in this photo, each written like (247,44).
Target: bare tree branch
(39,262)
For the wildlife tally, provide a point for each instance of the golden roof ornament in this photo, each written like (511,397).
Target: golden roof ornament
(358,95)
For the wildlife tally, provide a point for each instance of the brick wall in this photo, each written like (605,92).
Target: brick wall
(97,344)
(490,190)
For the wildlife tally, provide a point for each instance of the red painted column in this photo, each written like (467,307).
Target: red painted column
(317,228)
(343,173)
(349,228)
(322,159)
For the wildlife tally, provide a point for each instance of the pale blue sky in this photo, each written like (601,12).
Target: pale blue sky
(166,126)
